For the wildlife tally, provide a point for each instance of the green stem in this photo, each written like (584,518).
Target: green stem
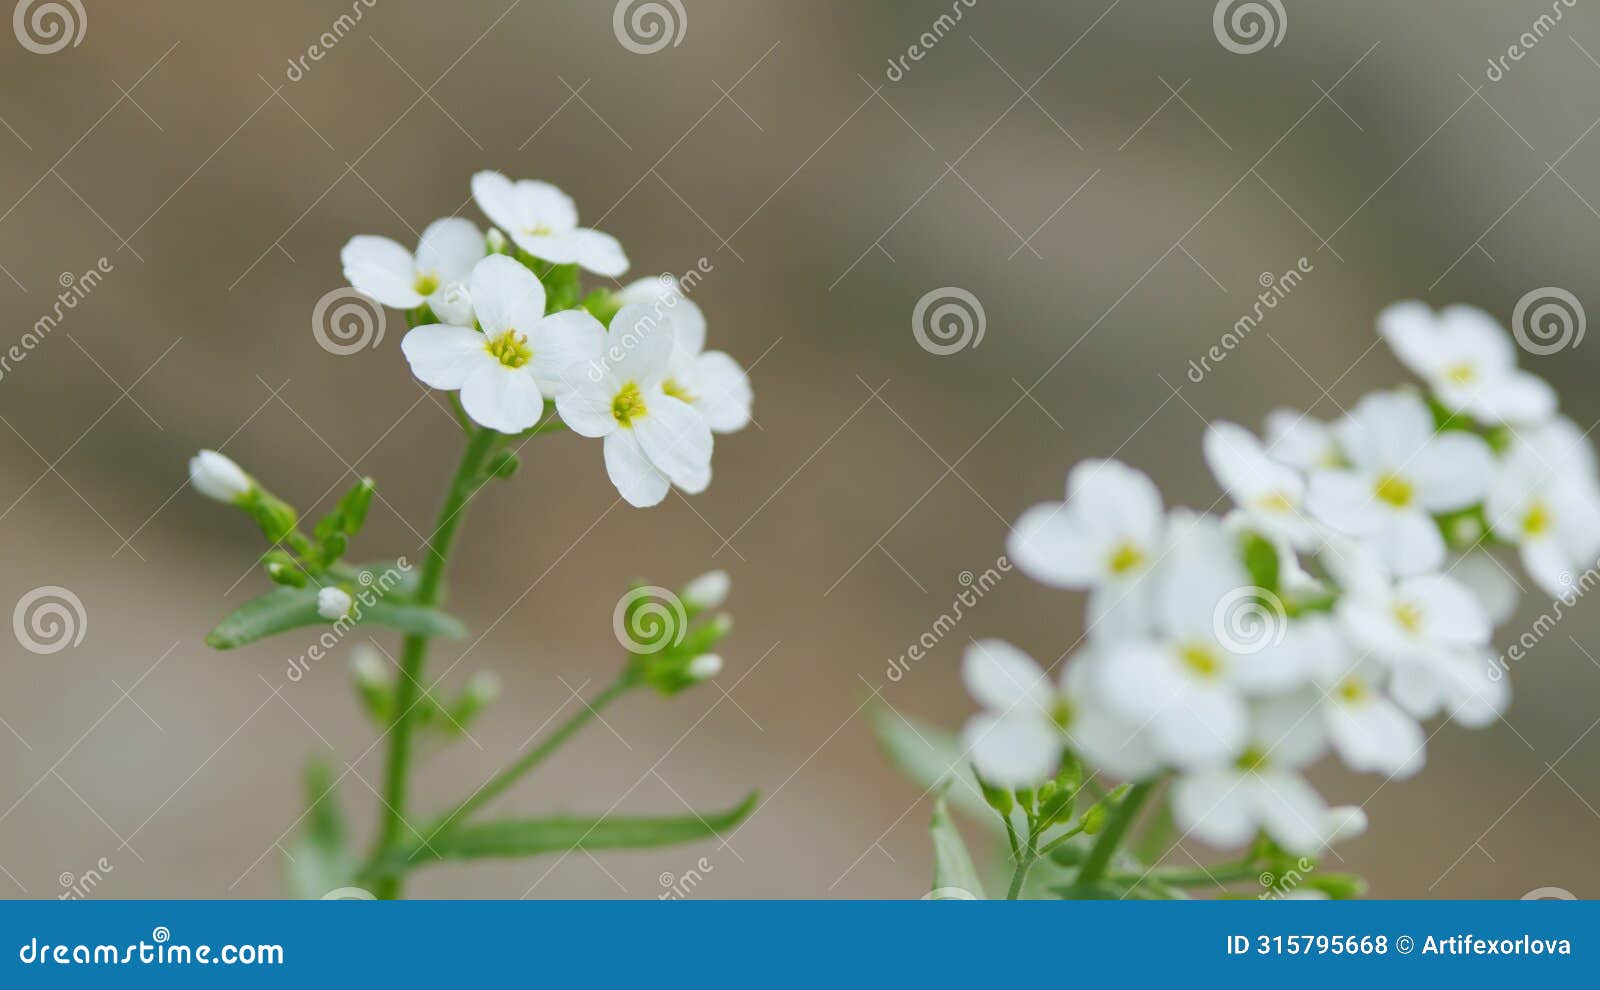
(498,784)
(1099,859)
(1018,876)
(414,652)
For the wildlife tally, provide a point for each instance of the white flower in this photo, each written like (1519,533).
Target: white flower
(1187,676)
(1486,578)
(704,666)
(386,271)
(1367,729)
(216,476)
(651,439)
(707,591)
(505,371)
(1546,501)
(333,603)
(711,381)
(1468,360)
(1302,442)
(1107,533)
(543,221)
(1270,492)
(1016,741)
(1401,471)
(1261,789)
(1412,619)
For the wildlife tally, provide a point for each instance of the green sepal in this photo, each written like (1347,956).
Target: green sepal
(282,568)
(1056,807)
(522,837)
(276,517)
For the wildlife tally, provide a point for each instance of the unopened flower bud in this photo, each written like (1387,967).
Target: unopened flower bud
(704,666)
(333,603)
(483,687)
(452,305)
(367,667)
(216,476)
(1344,822)
(707,591)
(496,241)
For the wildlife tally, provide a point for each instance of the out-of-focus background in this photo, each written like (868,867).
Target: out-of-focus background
(1107,179)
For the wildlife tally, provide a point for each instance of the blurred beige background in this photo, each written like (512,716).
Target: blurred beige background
(1113,222)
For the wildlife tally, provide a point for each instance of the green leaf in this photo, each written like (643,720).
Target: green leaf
(929,756)
(319,861)
(521,837)
(284,608)
(952,865)
(1261,560)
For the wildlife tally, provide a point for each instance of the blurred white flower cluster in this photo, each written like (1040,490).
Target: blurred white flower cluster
(499,318)
(1350,595)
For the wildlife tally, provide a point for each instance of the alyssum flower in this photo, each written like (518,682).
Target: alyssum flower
(386,271)
(1363,557)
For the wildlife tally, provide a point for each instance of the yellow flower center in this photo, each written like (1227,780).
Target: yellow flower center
(1125,558)
(1061,713)
(1537,520)
(510,349)
(426,284)
(538,230)
(676,389)
(1200,659)
(1275,502)
(1251,760)
(1461,373)
(1352,691)
(1408,615)
(628,405)
(1395,490)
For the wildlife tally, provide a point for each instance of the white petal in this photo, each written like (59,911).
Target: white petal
(1345,501)
(1453,471)
(506,296)
(1300,441)
(1012,752)
(1049,546)
(1549,566)
(1410,543)
(1475,337)
(1487,579)
(444,356)
(1449,612)
(1515,397)
(1410,330)
(1215,807)
(1374,735)
(639,346)
(585,404)
(1243,469)
(662,293)
(1120,499)
(563,341)
(501,398)
(637,480)
(1006,680)
(588,249)
(449,248)
(721,391)
(674,437)
(1291,810)
(496,196)
(382,269)
(1385,430)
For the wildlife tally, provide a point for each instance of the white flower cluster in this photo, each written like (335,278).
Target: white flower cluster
(1350,595)
(646,385)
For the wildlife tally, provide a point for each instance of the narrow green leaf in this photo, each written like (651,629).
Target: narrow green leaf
(929,756)
(285,608)
(532,836)
(319,860)
(952,864)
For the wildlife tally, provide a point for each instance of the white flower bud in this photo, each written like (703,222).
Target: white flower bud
(333,603)
(1344,822)
(452,305)
(496,241)
(217,476)
(483,687)
(705,665)
(366,664)
(707,591)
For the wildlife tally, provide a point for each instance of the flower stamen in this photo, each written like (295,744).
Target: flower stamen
(628,405)
(510,349)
